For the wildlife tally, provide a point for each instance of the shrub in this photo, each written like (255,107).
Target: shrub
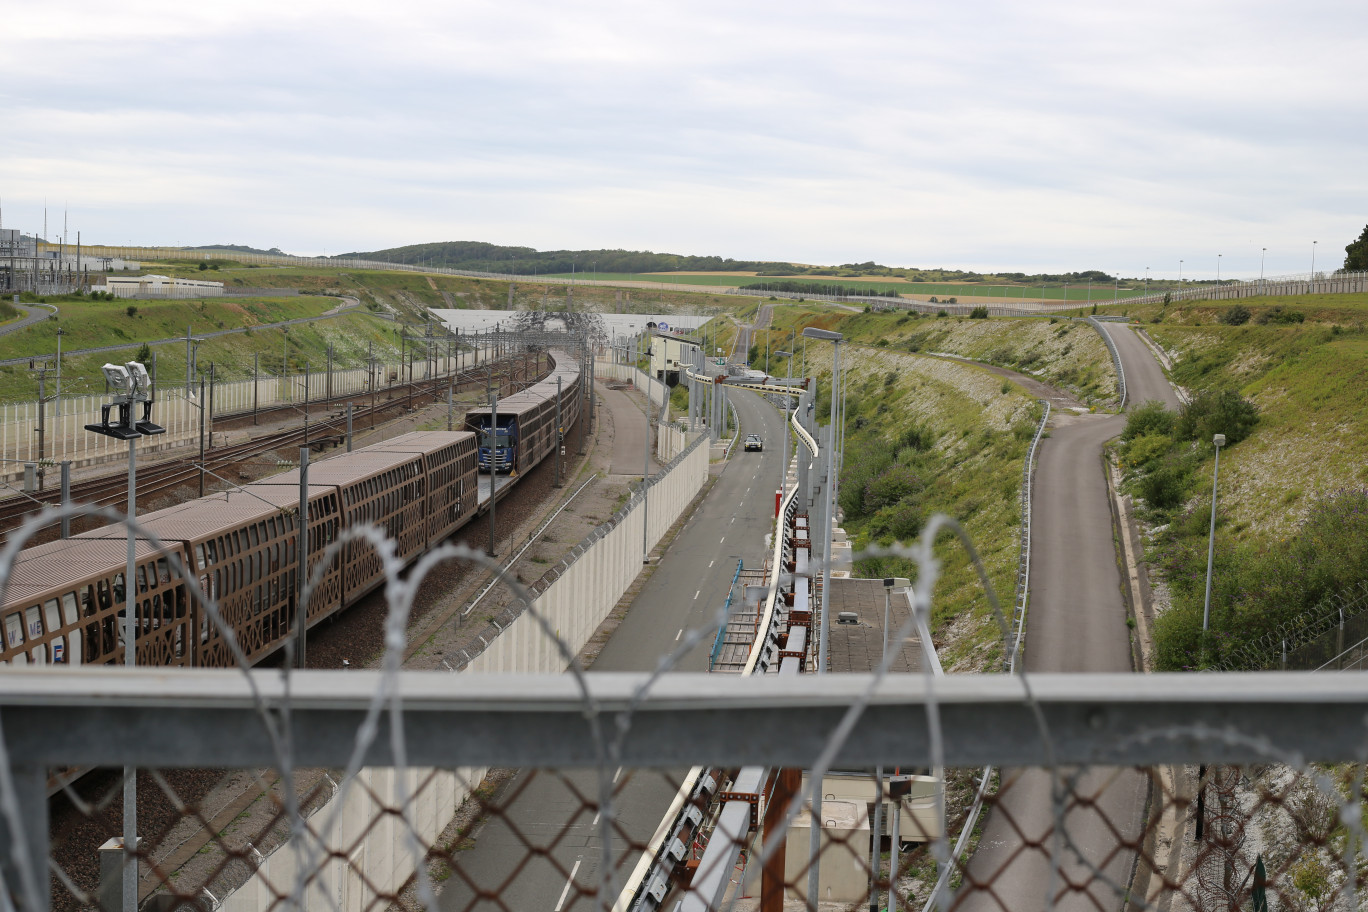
(952,300)
(1277,315)
(1212,412)
(933,300)
(1148,418)
(203,266)
(941,313)
(978,313)
(1235,316)
(131,311)
(144,355)
(902,521)
(1165,487)
(1141,451)
(1168,298)
(895,483)
(917,438)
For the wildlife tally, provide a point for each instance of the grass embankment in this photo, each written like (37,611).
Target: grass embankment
(875,285)
(410,292)
(1292,517)
(925,436)
(86,323)
(1059,352)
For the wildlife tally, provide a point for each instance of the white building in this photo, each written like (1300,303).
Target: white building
(158,286)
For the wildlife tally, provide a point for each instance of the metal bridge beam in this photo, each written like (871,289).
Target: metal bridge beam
(158,717)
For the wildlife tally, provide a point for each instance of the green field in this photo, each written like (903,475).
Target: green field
(1281,544)
(90,324)
(821,285)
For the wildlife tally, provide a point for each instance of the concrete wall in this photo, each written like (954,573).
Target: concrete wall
(574,597)
(606,370)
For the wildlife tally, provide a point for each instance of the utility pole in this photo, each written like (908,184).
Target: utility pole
(493,466)
(301,610)
(560,431)
(201,437)
(256,366)
(58,395)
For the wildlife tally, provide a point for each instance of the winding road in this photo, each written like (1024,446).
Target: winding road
(1076,622)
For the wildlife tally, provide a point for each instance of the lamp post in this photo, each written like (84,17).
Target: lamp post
(783,466)
(132,385)
(1262,255)
(835,338)
(646,463)
(1219,440)
(1313,267)
(1218,275)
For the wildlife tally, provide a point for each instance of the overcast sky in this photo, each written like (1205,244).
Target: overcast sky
(1009,136)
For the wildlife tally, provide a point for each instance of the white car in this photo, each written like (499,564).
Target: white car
(754,442)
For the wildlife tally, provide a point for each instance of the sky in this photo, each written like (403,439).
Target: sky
(1041,136)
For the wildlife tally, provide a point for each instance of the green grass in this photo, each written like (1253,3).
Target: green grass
(1310,384)
(1059,352)
(926,436)
(87,323)
(821,284)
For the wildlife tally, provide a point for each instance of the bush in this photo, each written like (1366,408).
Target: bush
(1277,315)
(917,438)
(131,311)
(1235,316)
(1168,298)
(895,483)
(144,356)
(1141,451)
(978,313)
(1212,412)
(203,267)
(902,521)
(941,313)
(1166,487)
(933,300)
(1148,418)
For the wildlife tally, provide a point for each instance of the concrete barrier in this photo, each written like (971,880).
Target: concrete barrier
(574,596)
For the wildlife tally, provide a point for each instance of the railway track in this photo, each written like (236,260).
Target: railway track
(167,475)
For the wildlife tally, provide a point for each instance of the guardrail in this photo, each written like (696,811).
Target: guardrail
(726,609)
(1116,361)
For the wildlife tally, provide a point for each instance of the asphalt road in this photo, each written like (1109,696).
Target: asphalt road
(629,433)
(525,856)
(32,315)
(1076,622)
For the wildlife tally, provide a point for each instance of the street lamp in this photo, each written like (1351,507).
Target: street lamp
(1313,267)
(132,386)
(783,468)
(1262,255)
(812,332)
(1219,440)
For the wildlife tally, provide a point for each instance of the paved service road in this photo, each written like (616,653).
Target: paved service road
(545,812)
(629,433)
(1145,379)
(1076,622)
(32,316)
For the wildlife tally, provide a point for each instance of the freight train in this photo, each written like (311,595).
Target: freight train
(64,602)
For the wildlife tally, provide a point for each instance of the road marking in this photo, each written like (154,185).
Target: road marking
(733,519)
(711,562)
(681,632)
(724,538)
(560,904)
(696,594)
(615,775)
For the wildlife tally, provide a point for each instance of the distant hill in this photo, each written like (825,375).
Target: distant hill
(479,256)
(238,248)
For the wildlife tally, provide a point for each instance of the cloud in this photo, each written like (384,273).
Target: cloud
(1050,135)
